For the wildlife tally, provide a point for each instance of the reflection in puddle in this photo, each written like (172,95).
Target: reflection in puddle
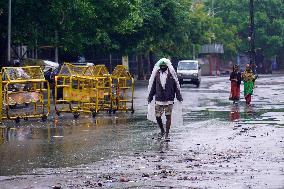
(237,113)
(2,135)
(249,114)
(234,114)
(11,134)
(68,142)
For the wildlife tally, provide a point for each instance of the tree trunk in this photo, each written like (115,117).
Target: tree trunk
(149,66)
(151,58)
(140,67)
(150,63)
(56,46)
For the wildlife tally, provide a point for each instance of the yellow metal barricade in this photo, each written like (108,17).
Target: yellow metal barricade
(83,95)
(103,87)
(123,89)
(25,93)
(63,87)
(75,90)
(90,89)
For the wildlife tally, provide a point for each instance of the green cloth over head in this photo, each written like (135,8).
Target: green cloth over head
(163,63)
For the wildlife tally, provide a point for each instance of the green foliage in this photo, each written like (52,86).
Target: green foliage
(79,23)
(269,23)
(164,27)
(170,28)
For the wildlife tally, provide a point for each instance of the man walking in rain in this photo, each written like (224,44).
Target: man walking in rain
(164,85)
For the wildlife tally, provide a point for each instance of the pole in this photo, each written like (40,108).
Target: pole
(9,32)
(193,52)
(251,34)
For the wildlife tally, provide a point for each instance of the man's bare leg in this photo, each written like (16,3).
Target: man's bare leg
(160,123)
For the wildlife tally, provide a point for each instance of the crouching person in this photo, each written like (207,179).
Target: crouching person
(164,85)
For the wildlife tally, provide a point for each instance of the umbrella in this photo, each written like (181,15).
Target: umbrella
(49,64)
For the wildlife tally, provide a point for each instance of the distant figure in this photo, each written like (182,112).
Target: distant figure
(48,75)
(164,85)
(236,79)
(249,78)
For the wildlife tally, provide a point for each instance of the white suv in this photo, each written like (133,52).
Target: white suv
(189,71)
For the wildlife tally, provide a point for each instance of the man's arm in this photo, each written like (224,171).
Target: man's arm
(152,91)
(178,93)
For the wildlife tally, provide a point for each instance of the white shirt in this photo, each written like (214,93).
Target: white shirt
(163,79)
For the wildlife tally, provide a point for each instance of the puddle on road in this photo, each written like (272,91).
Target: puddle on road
(240,114)
(66,142)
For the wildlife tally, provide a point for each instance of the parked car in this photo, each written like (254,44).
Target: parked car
(189,71)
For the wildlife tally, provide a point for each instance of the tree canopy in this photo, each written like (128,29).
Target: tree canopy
(269,23)
(165,27)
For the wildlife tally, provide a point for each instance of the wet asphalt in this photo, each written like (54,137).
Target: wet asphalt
(220,145)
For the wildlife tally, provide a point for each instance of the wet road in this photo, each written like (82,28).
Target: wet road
(220,144)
